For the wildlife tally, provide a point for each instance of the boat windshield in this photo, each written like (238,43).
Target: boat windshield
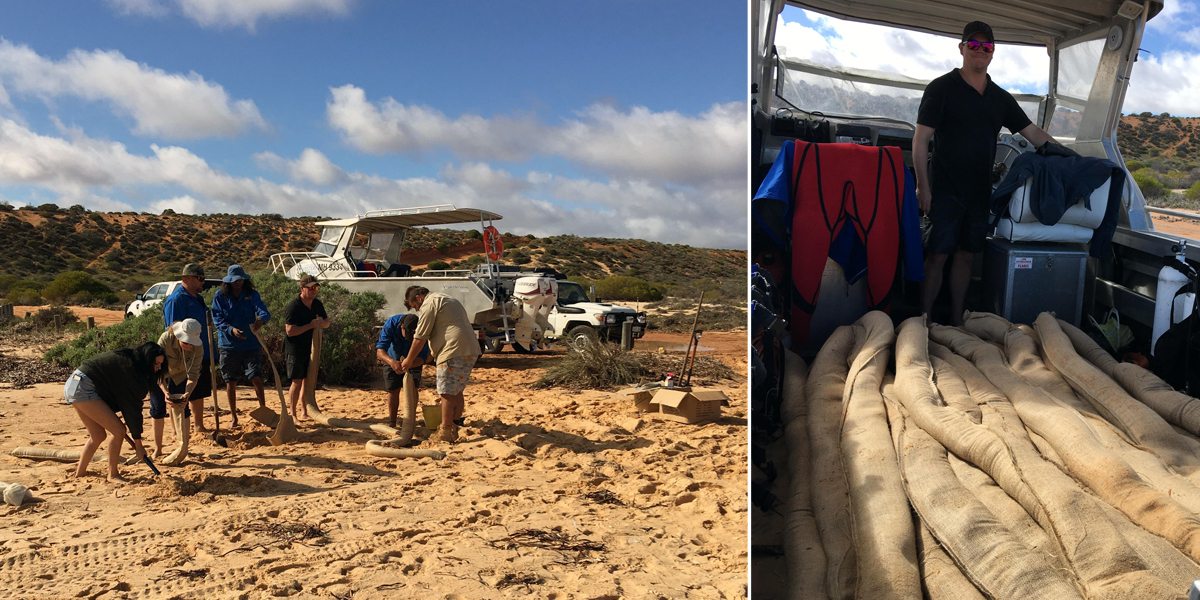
(330,236)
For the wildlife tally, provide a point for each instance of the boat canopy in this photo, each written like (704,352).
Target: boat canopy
(421,216)
(1012,21)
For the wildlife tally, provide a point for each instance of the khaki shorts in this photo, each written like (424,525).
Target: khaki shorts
(453,374)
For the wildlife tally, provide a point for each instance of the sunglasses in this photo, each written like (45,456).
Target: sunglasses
(988,47)
(314,287)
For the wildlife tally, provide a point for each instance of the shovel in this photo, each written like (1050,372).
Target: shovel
(286,431)
(212,367)
(145,459)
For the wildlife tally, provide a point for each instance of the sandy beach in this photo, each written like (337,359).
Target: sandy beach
(548,494)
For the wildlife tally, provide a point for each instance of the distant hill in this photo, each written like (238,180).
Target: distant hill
(1146,136)
(130,250)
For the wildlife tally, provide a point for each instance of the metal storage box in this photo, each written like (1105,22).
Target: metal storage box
(1022,280)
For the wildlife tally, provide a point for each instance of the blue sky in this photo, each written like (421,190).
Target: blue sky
(621,119)
(1166,78)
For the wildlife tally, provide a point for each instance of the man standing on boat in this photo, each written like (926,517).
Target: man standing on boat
(966,110)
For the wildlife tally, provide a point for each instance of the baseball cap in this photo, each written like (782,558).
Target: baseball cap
(975,27)
(193,270)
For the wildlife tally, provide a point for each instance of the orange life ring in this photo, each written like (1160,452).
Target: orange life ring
(492,244)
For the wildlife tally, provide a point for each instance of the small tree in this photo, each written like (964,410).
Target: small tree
(77,284)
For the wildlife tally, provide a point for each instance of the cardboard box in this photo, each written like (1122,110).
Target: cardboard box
(695,406)
(641,398)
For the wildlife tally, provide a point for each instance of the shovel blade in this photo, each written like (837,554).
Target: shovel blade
(265,416)
(286,432)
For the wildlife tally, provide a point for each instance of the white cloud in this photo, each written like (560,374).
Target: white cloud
(1174,16)
(633,143)
(914,54)
(234,13)
(1166,83)
(168,105)
(180,204)
(81,170)
(312,167)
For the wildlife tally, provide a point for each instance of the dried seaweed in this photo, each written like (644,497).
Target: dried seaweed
(604,497)
(512,579)
(286,533)
(552,540)
(24,372)
(183,574)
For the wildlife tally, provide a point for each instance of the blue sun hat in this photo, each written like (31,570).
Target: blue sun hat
(236,273)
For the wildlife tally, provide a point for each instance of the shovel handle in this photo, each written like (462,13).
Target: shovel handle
(145,459)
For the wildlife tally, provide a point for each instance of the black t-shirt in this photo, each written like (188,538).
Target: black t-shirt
(966,124)
(297,313)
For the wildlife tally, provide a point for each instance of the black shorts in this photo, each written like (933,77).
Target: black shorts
(203,387)
(296,366)
(957,225)
(238,363)
(394,381)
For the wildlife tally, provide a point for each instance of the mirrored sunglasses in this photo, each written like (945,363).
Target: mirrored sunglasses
(988,47)
(314,287)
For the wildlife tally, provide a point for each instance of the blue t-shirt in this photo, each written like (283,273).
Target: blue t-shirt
(229,312)
(393,340)
(181,305)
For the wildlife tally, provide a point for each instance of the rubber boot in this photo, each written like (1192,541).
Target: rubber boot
(183,425)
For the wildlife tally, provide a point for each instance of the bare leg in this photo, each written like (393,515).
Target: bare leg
(393,406)
(960,278)
(448,409)
(933,281)
(158,436)
(198,415)
(99,413)
(96,435)
(231,397)
(294,396)
(257,382)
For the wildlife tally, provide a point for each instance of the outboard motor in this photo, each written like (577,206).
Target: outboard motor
(537,297)
(1172,277)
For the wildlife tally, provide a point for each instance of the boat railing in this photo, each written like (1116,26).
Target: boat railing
(284,261)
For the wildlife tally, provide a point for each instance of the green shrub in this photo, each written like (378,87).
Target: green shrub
(126,334)
(78,286)
(45,317)
(348,347)
(442,247)
(1147,180)
(624,287)
(438,265)
(474,234)
(1193,193)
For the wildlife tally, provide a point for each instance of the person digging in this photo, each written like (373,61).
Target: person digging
(238,310)
(395,339)
(182,345)
(444,325)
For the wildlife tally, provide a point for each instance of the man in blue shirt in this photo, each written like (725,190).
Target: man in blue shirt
(186,303)
(395,339)
(238,313)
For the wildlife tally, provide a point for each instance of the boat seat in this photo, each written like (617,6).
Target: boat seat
(1075,226)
